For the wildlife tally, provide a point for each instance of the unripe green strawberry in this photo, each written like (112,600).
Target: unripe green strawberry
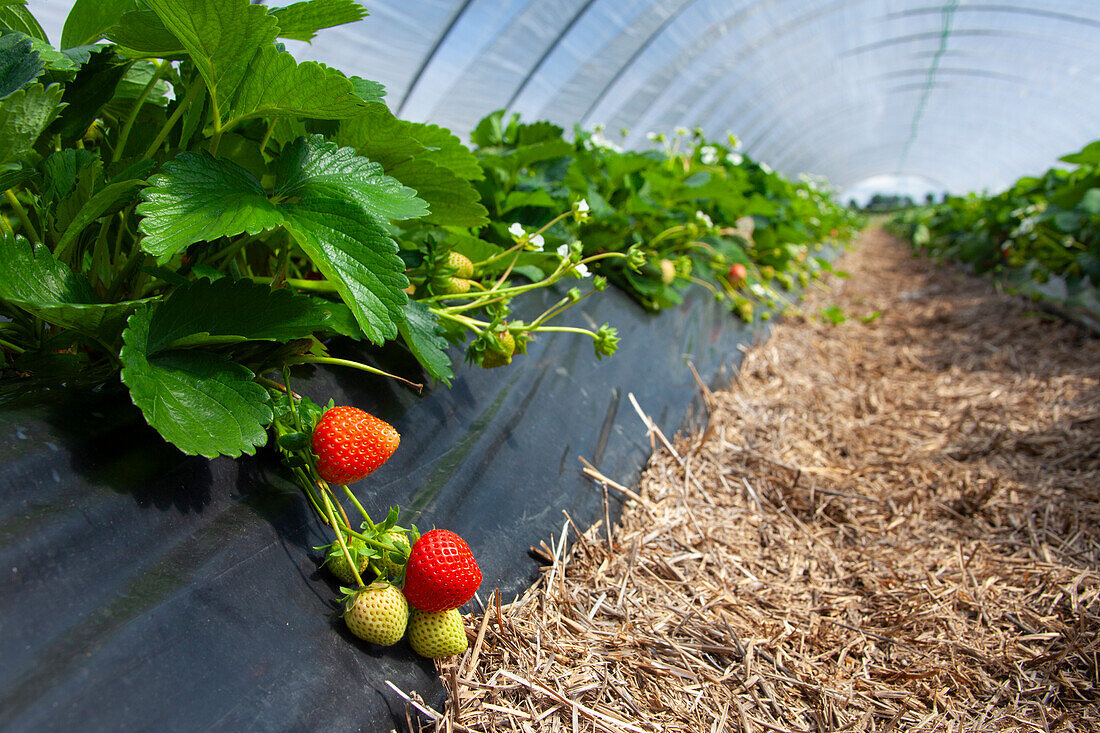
(351,444)
(493,358)
(337,564)
(378,613)
(394,565)
(455,286)
(461,265)
(437,635)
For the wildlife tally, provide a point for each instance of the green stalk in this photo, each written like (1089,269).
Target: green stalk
(267,136)
(565,329)
(11,347)
(340,539)
(24,220)
(5,226)
(235,247)
(355,501)
(123,136)
(317,286)
(171,122)
(472,324)
(353,364)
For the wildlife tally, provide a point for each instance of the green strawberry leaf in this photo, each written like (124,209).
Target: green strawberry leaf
(88,20)
(1090,202)
(19,62)
(23,116)
(32,279)
(1088,155)
(141,33)
(358,256)
(302,20)
(31,273)
(453,201)
(313,168)
(276,85)
(422,333)
(199,198)
(332,202)
(12,175)
(15,16)
(201,402)
(230,311)
(376,134)
(221,36)
(86,94)
(105,201)
(367,90)
(446,150)
(60,172)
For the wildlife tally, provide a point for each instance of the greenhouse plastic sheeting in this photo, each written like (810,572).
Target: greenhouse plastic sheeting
(144,589)
(968,95)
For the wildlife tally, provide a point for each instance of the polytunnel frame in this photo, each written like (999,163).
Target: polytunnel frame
(756,146)
(650,53)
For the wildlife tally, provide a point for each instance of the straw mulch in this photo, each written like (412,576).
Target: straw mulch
(888,525)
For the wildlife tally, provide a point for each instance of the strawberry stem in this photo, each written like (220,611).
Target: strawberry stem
(355,501)
(354,365)
(340,539)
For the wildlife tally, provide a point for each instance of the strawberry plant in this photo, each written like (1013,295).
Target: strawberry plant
(189,208)
(1040,227)
(194,215)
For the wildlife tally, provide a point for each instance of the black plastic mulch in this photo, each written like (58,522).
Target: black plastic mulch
(140,588)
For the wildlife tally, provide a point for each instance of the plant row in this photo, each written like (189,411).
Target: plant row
(188,209)
(1046,226)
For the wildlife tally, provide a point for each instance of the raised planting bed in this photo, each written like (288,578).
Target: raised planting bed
(144,588)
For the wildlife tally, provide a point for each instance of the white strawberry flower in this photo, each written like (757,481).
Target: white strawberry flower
(536,243)
(580,210)
(582,270)
(704,218)
(563,251)
(735,159)
(516,230)
(708,154)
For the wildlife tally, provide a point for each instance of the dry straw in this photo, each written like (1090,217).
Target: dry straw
(887,526)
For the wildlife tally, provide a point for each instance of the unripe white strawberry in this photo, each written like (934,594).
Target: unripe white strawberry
(462,266)
(437,635)
(337,564)
(378,613)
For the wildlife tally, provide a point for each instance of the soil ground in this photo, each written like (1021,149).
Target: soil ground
(889,524)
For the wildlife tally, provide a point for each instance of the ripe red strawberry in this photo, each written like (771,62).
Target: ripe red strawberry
(737,273)
(461,264)
(350,444)
(437,635)
(441,573)
(377,613)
